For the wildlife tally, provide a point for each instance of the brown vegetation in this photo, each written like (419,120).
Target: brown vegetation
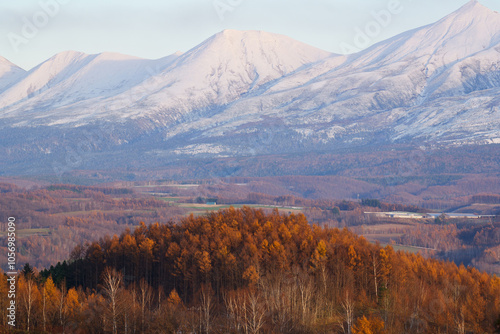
(242,271)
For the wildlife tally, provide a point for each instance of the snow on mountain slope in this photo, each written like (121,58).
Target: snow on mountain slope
(439,58)
(454,56)
(9,74)
(225,67)
(470,29)
(474,118)
(218,71)
(413,85)
(435,83)
(44,76)
(70,77)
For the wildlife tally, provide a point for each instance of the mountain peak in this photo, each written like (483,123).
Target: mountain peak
(474,15)
(235,36)
(473,4)
(9,73)
(59,62)
(6,64)
(68,54)
(230,32)
(229,65)
(114,56)
(473,9)
(470,29)
(260,48)
(5,61)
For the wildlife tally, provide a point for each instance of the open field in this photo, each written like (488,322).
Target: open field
(410,249)
(29,232)
(390,234)
(385,233)
(202,208)
(382,238)
(85,213)
(390,239)
(170,199)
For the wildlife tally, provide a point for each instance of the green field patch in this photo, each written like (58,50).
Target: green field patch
(28,232)
(382,238)
(170,199)
(409,249)
(86,213)
(179,186)
(201,208)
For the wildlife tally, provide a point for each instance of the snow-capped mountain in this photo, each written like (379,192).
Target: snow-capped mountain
(72,86)
(227,66)
(229,95)
(9,74)
(75,80)
(466,39)
(470,29)
(438,83)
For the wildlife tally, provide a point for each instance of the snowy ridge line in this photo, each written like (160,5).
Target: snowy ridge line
(436,83)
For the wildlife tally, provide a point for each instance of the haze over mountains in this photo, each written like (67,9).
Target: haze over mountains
(249,92)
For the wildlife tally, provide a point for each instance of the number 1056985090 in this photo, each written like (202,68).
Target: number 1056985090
(11,245)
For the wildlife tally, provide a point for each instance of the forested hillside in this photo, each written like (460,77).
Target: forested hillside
(242,271)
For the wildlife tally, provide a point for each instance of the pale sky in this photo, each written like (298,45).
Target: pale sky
(157,28)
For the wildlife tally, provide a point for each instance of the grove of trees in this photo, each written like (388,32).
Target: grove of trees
(245,271)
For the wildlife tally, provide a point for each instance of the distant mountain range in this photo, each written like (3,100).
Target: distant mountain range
(247,93)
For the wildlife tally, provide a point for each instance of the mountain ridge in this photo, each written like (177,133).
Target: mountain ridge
(436,85)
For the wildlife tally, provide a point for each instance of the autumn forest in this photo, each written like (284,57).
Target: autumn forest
(247,271)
